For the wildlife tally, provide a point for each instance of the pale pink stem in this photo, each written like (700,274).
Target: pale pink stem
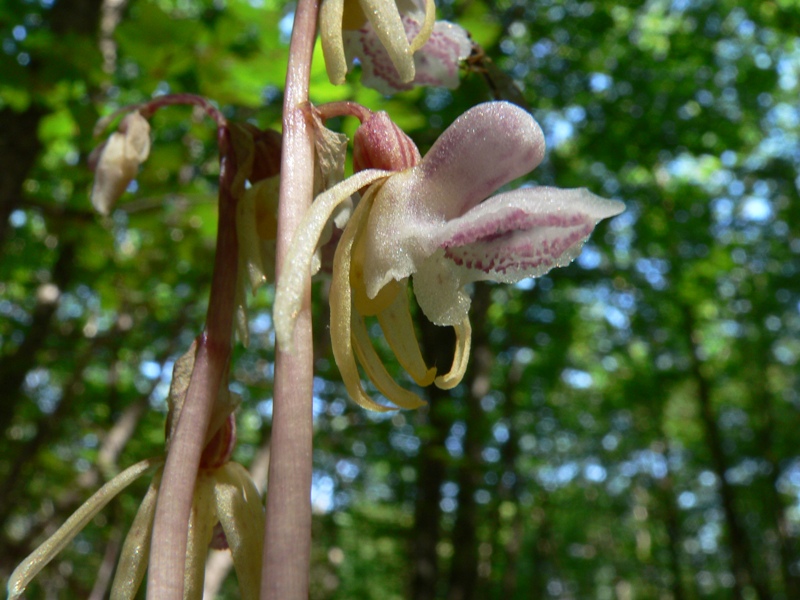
(170,531)
(345,108)
(287,539)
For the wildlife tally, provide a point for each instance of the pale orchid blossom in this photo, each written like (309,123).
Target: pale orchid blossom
(399,44)
(433,221)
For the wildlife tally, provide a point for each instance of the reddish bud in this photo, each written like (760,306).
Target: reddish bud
(380,144)
(219,449)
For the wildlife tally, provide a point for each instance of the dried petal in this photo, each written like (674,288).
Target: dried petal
(119,160)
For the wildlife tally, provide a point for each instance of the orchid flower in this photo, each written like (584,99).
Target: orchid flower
(226,511)
(432,221)
(399,44)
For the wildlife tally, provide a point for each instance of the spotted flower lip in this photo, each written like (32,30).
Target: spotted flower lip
(437,223)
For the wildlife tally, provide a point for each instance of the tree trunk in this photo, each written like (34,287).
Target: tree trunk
(438,345)
(15,367)
(464,568)
(741,553)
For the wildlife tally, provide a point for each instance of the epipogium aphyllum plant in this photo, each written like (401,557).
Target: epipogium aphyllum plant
(399,219)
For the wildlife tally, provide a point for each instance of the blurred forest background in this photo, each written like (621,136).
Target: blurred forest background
(630,425)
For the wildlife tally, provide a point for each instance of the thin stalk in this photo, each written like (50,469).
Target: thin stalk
(165,577)
(287,537)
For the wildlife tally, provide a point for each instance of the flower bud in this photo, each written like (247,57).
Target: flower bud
(219,449)
(380,144)
(116,162)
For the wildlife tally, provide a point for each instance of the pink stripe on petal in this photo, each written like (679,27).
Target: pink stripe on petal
(524,233)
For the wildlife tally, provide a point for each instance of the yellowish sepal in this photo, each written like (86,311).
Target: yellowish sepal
(373,366)
(460,358)
(398,327)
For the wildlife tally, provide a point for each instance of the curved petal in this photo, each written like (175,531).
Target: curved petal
(373,366)
(460,357)
(39,558)
(341,302)
(398,328)
(132,564)
(525,233)
(296,272)
(421,38)
(486,147)
(330,27)
(241,515)
(520,234)
(386,24)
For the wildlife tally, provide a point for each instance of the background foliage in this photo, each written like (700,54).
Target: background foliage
(629,425)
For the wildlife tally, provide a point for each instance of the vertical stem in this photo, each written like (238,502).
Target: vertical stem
(287,537)
(170,530)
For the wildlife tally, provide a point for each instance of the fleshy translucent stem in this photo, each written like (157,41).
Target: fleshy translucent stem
(287,537)
(165,577)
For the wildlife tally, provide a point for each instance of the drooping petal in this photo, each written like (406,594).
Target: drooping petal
(330,25)
(386,24)
(241,515)
(485,148)
(341,301)
(375,370)
(419,39)
(39,558)
(520,234)
(132,564)
(296,272)
(201,525)
(398,328)
(460,358)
